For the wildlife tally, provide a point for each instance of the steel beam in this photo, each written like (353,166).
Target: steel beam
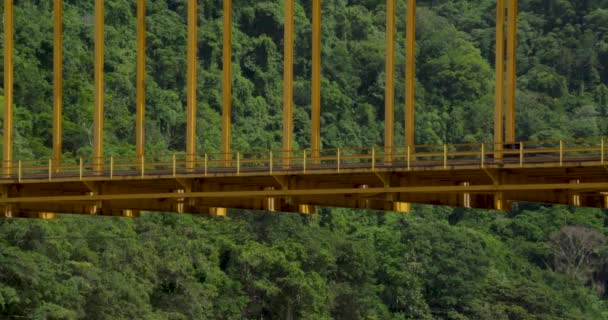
(315,116)
(9,43)
(499,98)
(191,85)
(511,72)
(410,74)
(57,82)
(227,81)
(389,85)
(450,189)
(99,88)
(140,112)
(288,83)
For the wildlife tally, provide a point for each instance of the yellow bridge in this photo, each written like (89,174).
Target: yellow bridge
(468,175)
(388,177)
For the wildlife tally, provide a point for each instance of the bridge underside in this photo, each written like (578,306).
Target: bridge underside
(291,190)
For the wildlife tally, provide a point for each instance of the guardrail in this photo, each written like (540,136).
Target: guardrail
(555,152)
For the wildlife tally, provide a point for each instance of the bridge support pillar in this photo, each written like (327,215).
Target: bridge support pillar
(511,72)
(363,203)
(9,41)
(270,203)
(191,86)
(9,212)
(179,202)
(392,202)
(6,209)
(140,109)
(57,81)
(315,116)
(99,88)
(499,201)
(499,99)
(128,213)
(218,212)
(465,198)
(93,190)
(37,215)
(185,205)
(288,84)
(410,74)
(574,199)
(307,209)
(227,81)
(402,207)
(389,90)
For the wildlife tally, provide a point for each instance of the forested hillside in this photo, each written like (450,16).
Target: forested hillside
(535,262)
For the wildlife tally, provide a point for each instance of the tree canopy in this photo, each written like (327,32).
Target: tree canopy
(536,262)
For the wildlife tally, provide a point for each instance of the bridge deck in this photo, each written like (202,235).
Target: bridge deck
(571,173)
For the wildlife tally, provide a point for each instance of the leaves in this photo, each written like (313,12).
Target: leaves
(341,264)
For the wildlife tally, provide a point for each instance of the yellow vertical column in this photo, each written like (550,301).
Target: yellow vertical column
(315,116)
(227,80)
(499,201)
(191,85)
(8,88)
(288,82)
(511,72)
(410,73)
(499,98)
(574,198)
(389,86)
(99,88)
(140,109)
(57,81)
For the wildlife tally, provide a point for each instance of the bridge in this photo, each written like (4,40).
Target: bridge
(490,175)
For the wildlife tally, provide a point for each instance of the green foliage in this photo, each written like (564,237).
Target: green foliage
(436,263)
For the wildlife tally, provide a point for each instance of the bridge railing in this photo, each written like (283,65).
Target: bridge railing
(550,151)
(326,160)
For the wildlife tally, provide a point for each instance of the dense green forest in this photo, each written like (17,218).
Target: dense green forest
(536,262)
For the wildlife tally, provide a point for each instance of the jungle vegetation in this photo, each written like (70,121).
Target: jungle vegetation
(535,262)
